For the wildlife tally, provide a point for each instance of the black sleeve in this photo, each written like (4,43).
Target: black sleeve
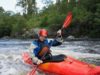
(55,43)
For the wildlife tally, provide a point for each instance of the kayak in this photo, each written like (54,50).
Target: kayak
(69,66)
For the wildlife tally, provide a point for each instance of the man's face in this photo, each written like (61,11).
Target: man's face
(42,38)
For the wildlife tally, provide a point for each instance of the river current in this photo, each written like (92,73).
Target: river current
(11,61)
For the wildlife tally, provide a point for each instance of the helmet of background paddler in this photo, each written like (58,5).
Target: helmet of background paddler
(43,32)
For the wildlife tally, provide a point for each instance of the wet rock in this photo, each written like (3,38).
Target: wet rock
(70,37)
(92,51)
(5,37)
(32,33)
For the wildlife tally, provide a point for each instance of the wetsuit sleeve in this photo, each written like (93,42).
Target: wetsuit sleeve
(56,42)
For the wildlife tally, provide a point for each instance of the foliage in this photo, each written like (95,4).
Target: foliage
(29,6)
(86,18)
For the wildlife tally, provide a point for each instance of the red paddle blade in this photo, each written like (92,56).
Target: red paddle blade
(27,59)
(33,71)
(68,20)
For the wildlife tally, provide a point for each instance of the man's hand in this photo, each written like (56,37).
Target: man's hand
(39,62)
(59,36)
(59,32)
(36,60)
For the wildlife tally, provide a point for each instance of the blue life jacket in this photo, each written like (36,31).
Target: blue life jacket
(40,45)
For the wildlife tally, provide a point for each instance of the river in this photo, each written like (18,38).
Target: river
(11,61)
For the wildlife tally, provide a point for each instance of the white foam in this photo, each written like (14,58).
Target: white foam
(75,54)
(12,65)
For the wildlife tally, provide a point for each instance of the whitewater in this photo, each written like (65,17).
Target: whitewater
(11,62)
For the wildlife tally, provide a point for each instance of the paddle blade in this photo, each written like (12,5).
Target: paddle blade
(27,59)
(33,71)
(67,20)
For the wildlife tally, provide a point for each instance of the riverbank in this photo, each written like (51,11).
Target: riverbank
(65,39)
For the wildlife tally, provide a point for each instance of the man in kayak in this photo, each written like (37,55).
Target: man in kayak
(40,48)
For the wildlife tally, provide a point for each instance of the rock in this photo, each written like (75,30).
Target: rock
(6,37)
(70,37)
(36,30)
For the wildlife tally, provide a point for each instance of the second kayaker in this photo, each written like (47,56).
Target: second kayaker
(40,48)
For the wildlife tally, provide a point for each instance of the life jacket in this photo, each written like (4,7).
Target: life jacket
(42,47)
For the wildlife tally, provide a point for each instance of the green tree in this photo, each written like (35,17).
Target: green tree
(1,9)
(5,24)
(29,6)
(18,25)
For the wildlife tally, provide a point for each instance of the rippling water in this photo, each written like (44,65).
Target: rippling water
(10,54)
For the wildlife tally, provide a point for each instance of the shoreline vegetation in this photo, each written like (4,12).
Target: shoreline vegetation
(70,38)
(85,22)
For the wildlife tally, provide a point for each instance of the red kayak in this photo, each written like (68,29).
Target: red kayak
(69,66)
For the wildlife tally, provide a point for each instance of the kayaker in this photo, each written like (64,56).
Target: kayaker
(42,45)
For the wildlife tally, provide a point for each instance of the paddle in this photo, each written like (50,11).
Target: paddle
(65,25)
(67,20)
